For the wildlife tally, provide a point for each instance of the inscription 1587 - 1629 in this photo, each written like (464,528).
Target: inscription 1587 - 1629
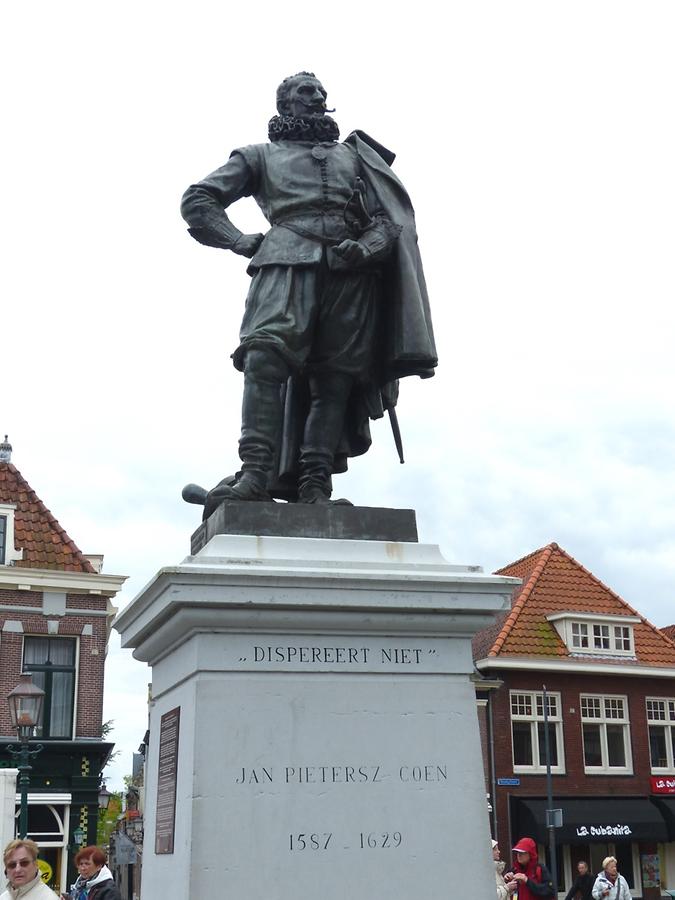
(363,840)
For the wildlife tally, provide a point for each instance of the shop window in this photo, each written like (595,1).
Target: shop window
(529,734)
(661,722)
(606,734)
(51,662)
(625,861)
(625,852)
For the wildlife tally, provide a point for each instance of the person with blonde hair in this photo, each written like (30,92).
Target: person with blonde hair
(609,885)
(23,876)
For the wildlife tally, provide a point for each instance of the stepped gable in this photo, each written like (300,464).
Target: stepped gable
(553,582)
(44,542)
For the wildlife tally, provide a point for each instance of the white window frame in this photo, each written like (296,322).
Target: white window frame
(667,721)
(10,555)
(536,718)
(605,702)
(602,637)
(596,635)
(580,637)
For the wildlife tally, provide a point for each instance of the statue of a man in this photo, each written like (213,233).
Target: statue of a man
(337,309)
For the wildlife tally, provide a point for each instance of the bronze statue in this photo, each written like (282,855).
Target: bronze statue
(337,310)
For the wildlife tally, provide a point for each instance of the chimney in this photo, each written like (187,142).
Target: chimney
(5,451)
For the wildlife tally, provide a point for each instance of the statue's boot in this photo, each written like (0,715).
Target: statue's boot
(329,394)
(264,373)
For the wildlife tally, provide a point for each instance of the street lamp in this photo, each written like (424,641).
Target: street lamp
(104,796)
(25,710)
(78,836)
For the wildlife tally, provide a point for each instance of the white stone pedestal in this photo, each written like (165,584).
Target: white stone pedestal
(7,805)
(327,743)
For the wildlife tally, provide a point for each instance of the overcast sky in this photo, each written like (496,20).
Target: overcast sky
(537,141)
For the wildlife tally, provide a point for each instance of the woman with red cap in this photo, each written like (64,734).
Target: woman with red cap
(533,878)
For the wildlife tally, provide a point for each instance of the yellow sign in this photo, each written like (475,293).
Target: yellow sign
(45,870)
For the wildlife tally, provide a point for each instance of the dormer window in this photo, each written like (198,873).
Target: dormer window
(596,635)
(8,554)
(579,636)
(623,638)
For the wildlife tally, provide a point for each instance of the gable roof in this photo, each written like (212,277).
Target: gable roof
(554,582)
(44,542)
(669,631)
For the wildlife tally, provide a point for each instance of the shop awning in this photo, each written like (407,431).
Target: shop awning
(666,806)
(590,819)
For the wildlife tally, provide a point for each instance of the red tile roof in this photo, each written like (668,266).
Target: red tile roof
(44,542)
(669,631)
(554,582)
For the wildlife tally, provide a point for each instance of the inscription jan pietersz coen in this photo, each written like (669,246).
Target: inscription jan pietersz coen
(356,774)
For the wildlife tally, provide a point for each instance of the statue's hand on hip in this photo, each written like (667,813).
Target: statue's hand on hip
(247,244)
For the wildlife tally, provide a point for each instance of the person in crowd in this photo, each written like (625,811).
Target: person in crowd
(504,890)
(23,876)
(531,877)
(95,881)
(583,883)
(609,884)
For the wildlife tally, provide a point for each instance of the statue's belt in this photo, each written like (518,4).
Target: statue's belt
(295,224)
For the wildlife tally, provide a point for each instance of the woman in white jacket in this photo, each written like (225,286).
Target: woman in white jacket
(504,890)
(609,885)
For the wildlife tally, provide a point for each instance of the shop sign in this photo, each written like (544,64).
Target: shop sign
(663,785)
(125,850)
(603,831)
(45,870)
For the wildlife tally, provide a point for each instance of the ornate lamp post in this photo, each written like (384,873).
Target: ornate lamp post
(25,709)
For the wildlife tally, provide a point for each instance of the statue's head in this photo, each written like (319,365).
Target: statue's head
(301,95)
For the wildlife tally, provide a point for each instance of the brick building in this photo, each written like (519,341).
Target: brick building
(55,616)
(609,676)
